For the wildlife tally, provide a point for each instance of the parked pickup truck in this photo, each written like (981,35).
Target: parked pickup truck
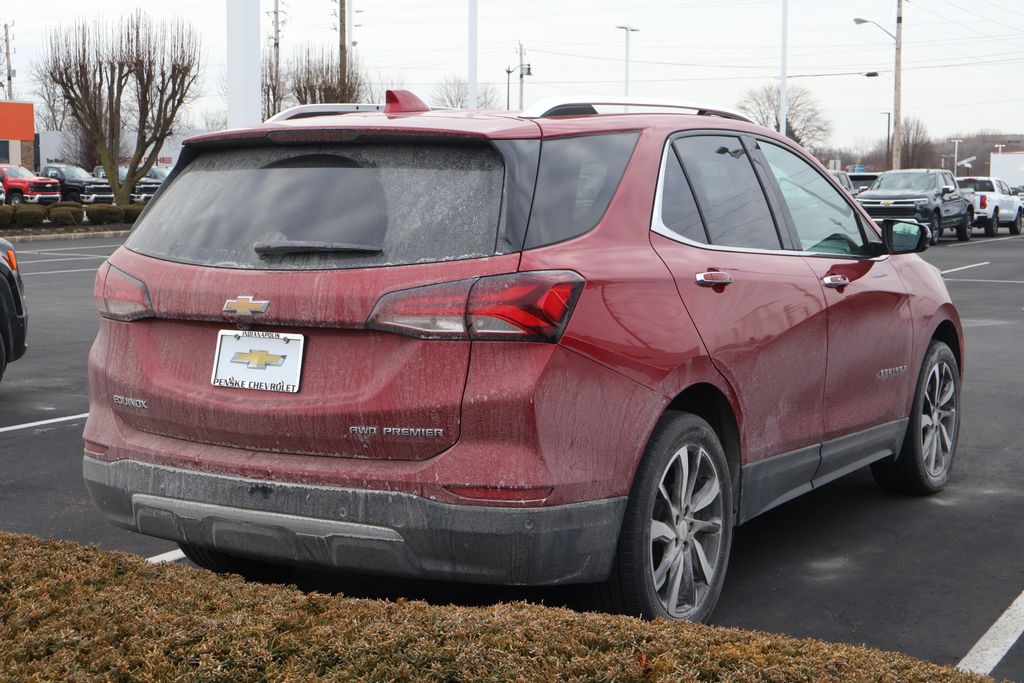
(143,190)
(930,196)
(994,204)
(76,185)
(22,185)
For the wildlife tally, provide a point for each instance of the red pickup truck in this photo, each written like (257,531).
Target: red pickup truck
(22,185)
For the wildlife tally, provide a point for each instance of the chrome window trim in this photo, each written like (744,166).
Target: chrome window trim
(659,227)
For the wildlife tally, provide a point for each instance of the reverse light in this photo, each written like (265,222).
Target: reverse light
(10,259)
(531,306)
(119,296)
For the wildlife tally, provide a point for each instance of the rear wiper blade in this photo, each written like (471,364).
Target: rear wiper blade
(265,249)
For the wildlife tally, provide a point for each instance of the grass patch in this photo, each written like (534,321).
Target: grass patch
(69,612)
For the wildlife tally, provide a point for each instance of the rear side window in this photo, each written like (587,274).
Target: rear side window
(730,197)
(678,208)
(394,204)
(976,184)
(577,178)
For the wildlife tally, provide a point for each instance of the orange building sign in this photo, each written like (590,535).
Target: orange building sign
(16,121)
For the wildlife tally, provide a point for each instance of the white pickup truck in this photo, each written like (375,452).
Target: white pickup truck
(994,204)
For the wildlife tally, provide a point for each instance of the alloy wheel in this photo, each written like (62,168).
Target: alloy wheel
(938,420)
(686,530)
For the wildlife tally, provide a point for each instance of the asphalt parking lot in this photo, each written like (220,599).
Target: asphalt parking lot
(924,576)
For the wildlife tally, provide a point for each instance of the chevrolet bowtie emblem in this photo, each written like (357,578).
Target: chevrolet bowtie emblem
(256,359)
(245,306)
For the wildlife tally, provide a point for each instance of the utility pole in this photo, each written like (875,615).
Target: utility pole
(628,29)
(783,87)
(520,76)
(897,110)
(277,57)
(342,47)
(7,50)
(888,137)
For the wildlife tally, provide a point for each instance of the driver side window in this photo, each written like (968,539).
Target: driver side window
(823,220)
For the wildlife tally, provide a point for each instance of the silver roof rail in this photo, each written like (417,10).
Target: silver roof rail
(304,111)
(577,106)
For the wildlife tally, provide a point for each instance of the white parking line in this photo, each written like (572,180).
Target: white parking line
(997,282)
(169,556)
(997,641)
(996,239)
(58,272)
(973,265)
(40,423)
(73,248)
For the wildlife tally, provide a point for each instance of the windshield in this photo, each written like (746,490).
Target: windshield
(913,182)
(294,206)
(19,172)
(976,184)
(76,173)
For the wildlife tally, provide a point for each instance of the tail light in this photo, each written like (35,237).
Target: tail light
(119,296)
(10,259)
(983,201)
(533,306)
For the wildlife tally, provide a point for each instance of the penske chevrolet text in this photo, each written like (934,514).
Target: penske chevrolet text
(560,346)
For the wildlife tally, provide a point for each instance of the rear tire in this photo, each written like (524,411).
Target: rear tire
(966,227)
(677,530)
(3,357)
(924,463)
(992,227)
(222,563)
(1017,223)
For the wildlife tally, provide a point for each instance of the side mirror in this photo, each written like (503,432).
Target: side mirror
(905,237)
(948,189)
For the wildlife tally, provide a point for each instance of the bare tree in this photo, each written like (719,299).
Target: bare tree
(453,93)
(52,109)
(805,122)
(134,75)
(918,150)
(312,78)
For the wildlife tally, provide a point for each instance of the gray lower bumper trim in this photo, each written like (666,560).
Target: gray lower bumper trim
(377,532)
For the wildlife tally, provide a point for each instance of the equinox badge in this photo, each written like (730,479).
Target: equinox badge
(245,306)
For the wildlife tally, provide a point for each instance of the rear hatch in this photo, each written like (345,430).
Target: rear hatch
(262,267)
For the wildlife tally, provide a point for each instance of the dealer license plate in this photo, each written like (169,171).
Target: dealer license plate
(261,361)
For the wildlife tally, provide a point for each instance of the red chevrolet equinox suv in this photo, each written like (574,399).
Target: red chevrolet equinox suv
(549,347)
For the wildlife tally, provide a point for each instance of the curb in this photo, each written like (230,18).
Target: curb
(49,237)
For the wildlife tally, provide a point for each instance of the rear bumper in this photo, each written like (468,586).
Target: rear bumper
(377,532)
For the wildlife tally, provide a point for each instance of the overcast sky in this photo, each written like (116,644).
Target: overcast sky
(963,59)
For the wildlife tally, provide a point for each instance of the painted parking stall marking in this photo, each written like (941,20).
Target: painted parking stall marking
(997,641)
(169,556)
(973,265)
(42,423)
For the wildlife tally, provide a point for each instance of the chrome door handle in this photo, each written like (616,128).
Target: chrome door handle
(714,278)
(835,281)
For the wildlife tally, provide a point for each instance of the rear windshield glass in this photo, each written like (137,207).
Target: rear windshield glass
(371,205)
(976,185)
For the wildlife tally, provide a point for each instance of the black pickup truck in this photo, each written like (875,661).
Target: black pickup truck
(930,196)
(13,315)
(76,185)
(143,190)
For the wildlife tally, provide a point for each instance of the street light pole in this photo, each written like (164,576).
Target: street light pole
(783,87)
(956,153)
(888,137)
(628,29)
(897,109)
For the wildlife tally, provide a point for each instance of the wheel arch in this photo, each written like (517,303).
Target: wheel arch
(947,333)
(708,402)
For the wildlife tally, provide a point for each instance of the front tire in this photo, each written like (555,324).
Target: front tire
(924,464)
(935,226)
(677,530)
(73,197)
(14,198)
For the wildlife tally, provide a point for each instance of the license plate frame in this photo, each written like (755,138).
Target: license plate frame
(258,361)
